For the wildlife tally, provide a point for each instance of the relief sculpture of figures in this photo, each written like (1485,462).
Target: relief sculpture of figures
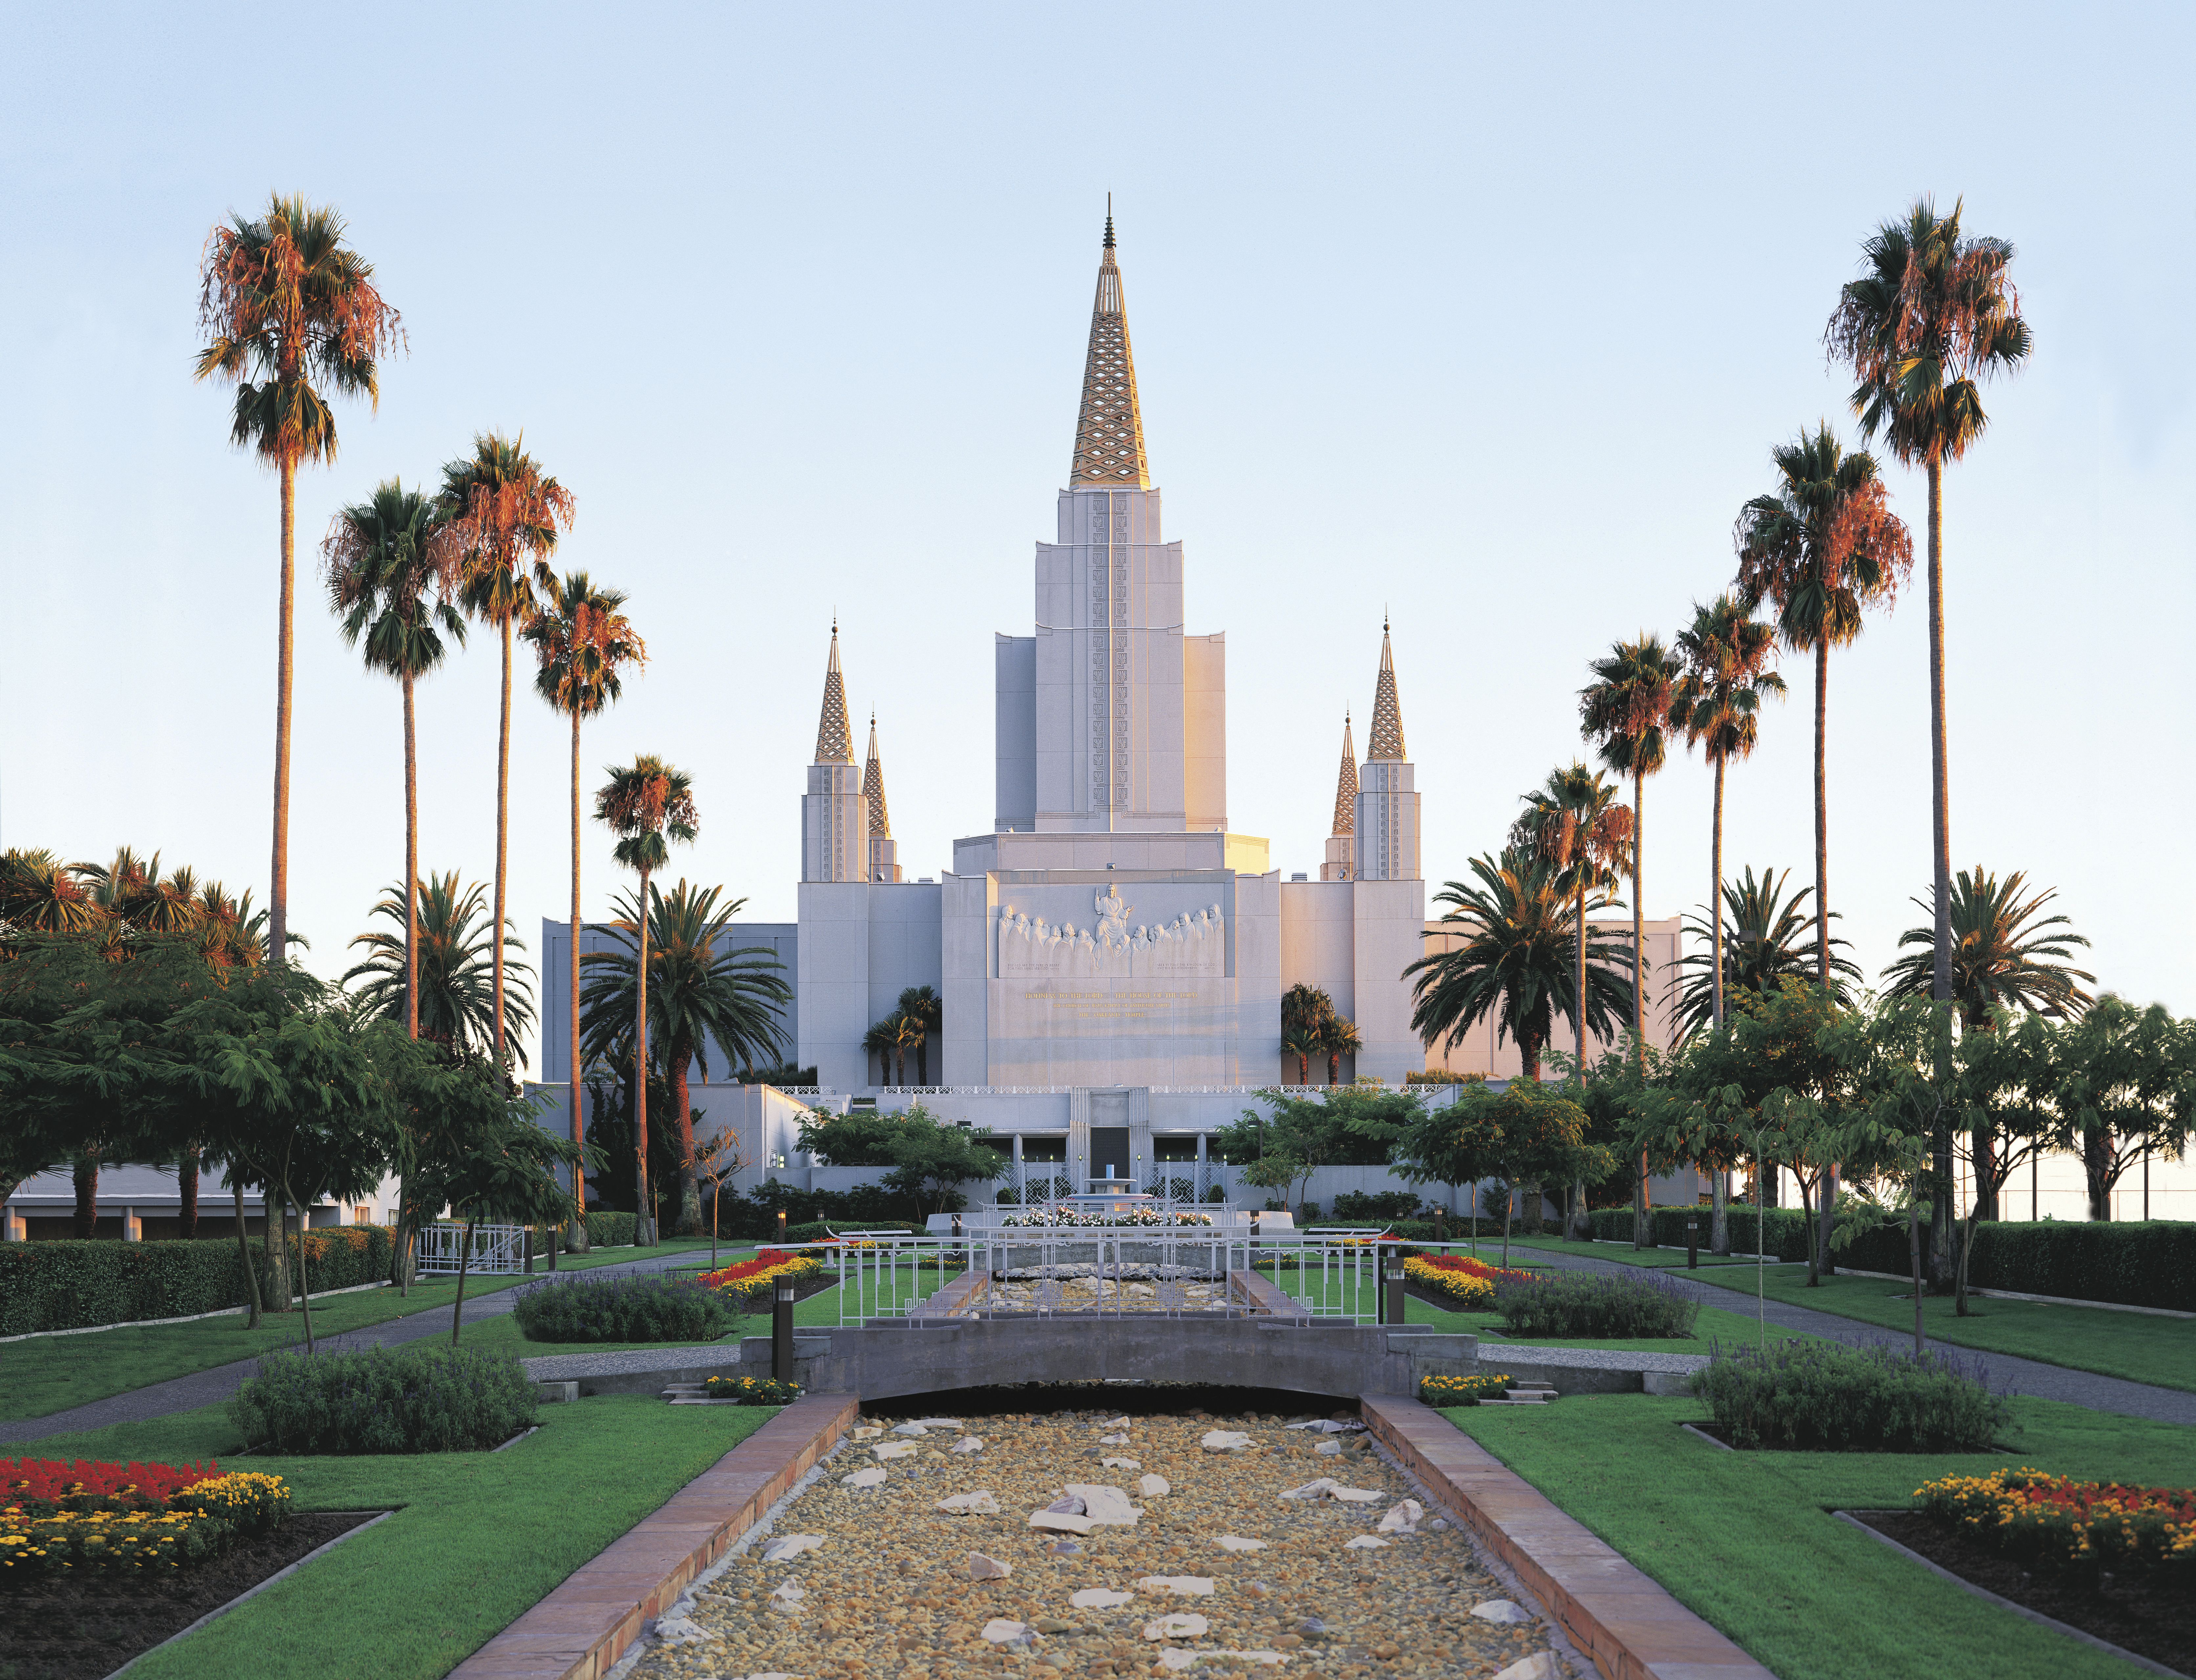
(1030,946)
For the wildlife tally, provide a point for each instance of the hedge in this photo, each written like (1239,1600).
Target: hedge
(72,1286)
(610,1230)
(2135,1263)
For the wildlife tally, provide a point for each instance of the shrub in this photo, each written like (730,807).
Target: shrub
(752,1390)
(1572,1304)
(1384,1204)
(610,1230)
(1821,1396)
(2079,1527)
(384,1399)
(73,1285)
(1461,1390)
(622,1309)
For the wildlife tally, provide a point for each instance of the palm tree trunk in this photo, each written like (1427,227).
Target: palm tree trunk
(1640,1233)
(572,1008)
(503,836)
(688,1220)
(278,884)
(1940,787)
(645,1234)
(1719,1216)
(243,1250)
(1822,815)
(411,866)
(1578,997)
(1715,895)
(84,1173)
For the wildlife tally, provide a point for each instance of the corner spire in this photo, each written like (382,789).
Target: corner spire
(873,787)
(834,742)
(1345,785)
(1109,428)
(1386,740)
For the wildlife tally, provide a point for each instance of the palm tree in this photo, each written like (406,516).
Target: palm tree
(502,517)
(1767,940)
(1338,1039)
(1517,924)
(696,993)
(2002,955)
(881,1041)
(40,894)
(1303,1041)
(1305,1011)
(1726,653)
(232,934)
(923,1006)
(1624,711)
(286,301)
(1932,315)
(1574,823)
(643,804)
(381,570)
(584,642)
(455,992)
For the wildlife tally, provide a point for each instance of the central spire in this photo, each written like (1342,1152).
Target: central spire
(834,741)
(1386,740)
(1345,785)
(1109,430)
(873,787)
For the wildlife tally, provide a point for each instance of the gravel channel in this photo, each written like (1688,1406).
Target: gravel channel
(1218,1572)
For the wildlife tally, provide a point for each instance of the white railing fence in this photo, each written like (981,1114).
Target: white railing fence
(496,1248)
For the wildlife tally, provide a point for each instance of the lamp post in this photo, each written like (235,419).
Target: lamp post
(781,1332)
(1692,1242)
(1395,1290)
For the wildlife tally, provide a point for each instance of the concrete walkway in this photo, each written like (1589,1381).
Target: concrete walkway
(2025,1377)
(204,1388)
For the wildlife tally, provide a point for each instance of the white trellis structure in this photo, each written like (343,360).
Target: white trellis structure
(497,1249)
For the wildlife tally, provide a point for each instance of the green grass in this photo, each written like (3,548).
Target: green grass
(1625,1255)
(479,1538)
(1746,1541)
(52,1373)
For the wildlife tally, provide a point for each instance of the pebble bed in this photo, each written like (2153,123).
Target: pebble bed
(890,1587)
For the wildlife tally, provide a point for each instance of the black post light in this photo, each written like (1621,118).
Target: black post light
(781,1332)
(1692,1242)
(1395,1290)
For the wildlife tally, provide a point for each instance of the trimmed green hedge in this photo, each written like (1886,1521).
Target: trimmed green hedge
(610,1230)
(72,1286)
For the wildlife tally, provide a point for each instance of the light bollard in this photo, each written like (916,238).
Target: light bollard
(1395,1290)
(530,1250)
(781,1332)
(1692,1242)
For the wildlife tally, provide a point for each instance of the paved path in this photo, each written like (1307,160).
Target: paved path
(204,1388)
(2025,1377)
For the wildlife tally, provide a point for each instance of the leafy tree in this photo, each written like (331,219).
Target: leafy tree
(584,641)
(923,1006)
(644,804)
(2004,955)
(1932,315)
(2123,1085)
(1303,1041)
(930,1159)
(456,989)
(1767,938)
(1342,1126)
(287,303)
(392,594)
(1725,654)
(501,518)
(1525,1134)
(1518,926)
(861,1137)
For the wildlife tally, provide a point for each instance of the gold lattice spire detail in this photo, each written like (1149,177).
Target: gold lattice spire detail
(873,787)
(834,743)
(1345,785)
(1109,430)
(1387,737)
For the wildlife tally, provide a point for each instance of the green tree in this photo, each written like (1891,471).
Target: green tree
(2123,1086)
(1766,938)
(289,310)
(392,595)
(923,1006)
(883,1038)
(501,518)
(1933,315)
(2005,955)
(456,977)
(584,642)
(700,989)
(1725,654)
(1526,1133)
(645,804)
(931,1158)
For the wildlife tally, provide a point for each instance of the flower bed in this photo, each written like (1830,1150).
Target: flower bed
(1461,1390)
(2049,1521)
(98,1516)
(752,1390)
(1458,1278)
(84,1484)
(751,1279)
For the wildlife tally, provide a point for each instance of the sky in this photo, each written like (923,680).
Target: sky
(1482,318)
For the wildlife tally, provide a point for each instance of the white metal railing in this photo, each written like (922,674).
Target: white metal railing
(496,1248)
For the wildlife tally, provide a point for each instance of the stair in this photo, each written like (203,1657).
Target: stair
(1525,1393)
(692,1393)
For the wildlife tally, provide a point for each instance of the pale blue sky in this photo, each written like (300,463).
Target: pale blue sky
(1489,317)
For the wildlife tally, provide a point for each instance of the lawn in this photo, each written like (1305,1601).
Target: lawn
(479,1538)
(1625,1255)
(1746,1541)
(52,1373)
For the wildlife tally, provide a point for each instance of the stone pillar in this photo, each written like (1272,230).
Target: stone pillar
(1143,1157)
(19,1229)
(1078,1138)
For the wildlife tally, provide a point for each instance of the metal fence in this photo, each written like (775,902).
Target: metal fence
(496,1248)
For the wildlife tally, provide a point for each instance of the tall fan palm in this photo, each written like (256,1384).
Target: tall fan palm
(286,303)
(697,993)
(1726,653)
(502,516)
(1932,315)
(456,989)
(40,894)
(1624,711)
(584,642)
(1823,546)
(1574,823)
(926,1009)
(393,592)
(643,804)
(2004,954)
(1766,938)
(1514,965)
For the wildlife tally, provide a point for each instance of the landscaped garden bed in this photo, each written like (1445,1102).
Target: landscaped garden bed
(1823,1396)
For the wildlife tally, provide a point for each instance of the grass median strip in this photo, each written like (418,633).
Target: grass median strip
(478,1538)
(1747,1541)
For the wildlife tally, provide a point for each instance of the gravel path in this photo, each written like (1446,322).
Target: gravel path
(886,1591)
(2026,1376)
(204,1388)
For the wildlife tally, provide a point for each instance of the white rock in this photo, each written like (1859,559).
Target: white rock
(871,1477)
(789,1590)
(895,1449)
(1070,1504)
(1099,1598)
(1105,1504)
(1502,1612)
(1310,1490)
(979,1503)
(1154,1487)
(1326,1426)
(1060,1522)
(1122,1463)
(791,1545)
(1366,1543)
(1180,1625)
(968,1444)
(939,1423)
(866,1432)
(983,1568)
(1237,1543)
(1117,1423)
(1332,1448)
(773,1674)
(1112,1440)
(680,1631)
(1540,1665)
(1182,1586)
(1001,1631)
(1440,1525)
(1402,1518)
(1225,1440)
(909,1429)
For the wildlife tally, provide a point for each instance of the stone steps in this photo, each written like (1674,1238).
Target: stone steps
(1525,1393)
(692,1393)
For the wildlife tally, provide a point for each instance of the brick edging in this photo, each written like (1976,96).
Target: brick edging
(589,1619)
(1628,1624)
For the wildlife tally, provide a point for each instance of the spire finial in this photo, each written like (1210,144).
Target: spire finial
(1109,222)
(1346,784)
(833,746)
(1386,740)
